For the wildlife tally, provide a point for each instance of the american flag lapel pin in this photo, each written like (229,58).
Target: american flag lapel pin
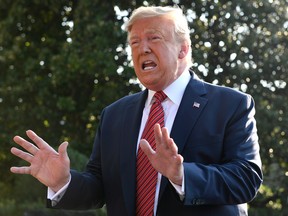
(196,104)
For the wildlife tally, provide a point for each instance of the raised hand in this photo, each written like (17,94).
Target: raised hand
(165,159)
(50,167)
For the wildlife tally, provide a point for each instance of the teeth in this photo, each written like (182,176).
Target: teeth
(148,68)
(148,62)
(148,65)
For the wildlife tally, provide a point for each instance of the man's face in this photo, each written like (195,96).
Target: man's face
(155,52)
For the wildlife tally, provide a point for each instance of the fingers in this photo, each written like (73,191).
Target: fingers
(62,150)
(30,147)
(25,156)
(179,158)
(37,140)
(26,145)
(146,148)
(158,134)
(21,154)
(164,141)
(168,141)
(20,170)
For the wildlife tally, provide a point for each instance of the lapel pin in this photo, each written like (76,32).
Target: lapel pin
(196,105)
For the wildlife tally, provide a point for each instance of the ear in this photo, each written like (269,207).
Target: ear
(184,51)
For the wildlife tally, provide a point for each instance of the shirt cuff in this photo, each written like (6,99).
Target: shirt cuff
(56,197)
(180,189)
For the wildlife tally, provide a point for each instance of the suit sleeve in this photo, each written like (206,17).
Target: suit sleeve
(86,189)
(236,176)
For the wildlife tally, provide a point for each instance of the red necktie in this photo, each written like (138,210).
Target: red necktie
(146,175)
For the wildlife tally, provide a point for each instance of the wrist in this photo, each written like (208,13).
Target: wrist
(178,179)
(61,184)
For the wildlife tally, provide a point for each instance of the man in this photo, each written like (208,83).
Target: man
(207,154)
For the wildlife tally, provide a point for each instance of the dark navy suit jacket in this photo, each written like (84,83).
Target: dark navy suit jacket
(216,133)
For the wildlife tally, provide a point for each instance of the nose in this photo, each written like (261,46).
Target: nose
(144,47)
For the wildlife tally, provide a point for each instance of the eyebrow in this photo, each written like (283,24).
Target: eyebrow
(149,31)
(133,37)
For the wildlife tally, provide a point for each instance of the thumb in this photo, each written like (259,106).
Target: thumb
(62,150)
(146,148)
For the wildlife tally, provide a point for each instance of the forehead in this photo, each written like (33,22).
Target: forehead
(148,25)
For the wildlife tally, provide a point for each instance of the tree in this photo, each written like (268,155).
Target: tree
(24,41)
(242,44)
(58,71)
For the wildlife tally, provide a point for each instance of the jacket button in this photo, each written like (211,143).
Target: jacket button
(198,202)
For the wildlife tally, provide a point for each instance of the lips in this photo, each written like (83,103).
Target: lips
(148,65)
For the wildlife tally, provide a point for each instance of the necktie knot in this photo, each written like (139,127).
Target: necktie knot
(159,97)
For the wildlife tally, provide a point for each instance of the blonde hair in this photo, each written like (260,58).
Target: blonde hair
(182,31)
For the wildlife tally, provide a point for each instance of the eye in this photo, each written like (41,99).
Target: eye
(134,43)
(155,38)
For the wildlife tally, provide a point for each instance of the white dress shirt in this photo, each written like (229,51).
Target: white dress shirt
(170,105)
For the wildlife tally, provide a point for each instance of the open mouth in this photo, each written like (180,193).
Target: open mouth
(148,65)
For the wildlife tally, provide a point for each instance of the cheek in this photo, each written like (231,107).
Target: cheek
(135,56)
(168,56)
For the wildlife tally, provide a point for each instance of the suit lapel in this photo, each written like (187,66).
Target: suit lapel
(190,108)
(192,104)
(131,116)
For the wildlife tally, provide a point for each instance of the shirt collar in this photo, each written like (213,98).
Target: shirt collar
(175,90)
